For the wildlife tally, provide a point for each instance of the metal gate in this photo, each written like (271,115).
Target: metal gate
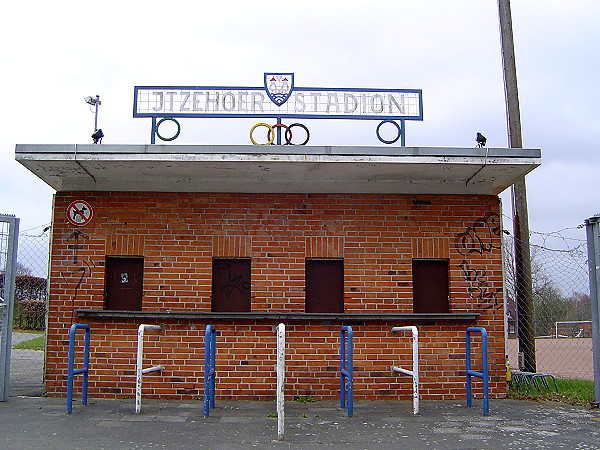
(24,287)
(9,230)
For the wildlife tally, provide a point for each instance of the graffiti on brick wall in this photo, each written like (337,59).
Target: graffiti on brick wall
(75,277)
(228,281)
(75,236)
(482,237)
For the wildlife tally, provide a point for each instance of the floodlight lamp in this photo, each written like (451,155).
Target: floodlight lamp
(481,140)
(93,100)
(97,136)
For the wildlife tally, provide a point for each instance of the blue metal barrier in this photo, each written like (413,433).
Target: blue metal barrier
(84,370)
(210,353)
(483,375)
(346,370)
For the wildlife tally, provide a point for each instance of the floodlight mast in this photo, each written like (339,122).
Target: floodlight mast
(94,102)
(96,113)
(97,135)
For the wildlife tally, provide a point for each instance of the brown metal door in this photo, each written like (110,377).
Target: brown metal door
(324,286)
(430,286)
(231,285)
(124,283)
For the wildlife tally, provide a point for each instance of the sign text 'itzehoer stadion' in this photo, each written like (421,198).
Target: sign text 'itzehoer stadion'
(278,98)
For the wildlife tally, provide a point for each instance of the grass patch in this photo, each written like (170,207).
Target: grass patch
(571,391)
(32,344)
(20,330)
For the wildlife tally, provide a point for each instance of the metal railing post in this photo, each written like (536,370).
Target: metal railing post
(414,373)
(139,370)
(210,354)
(346,369)
(71,371)
(484,374)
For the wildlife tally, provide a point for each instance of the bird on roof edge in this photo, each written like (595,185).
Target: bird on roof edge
(481,140)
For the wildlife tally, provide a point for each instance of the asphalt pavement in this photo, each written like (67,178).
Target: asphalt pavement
(29,421)
(38,422)
(26,367)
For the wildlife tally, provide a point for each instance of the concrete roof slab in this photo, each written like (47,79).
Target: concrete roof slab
(248,168)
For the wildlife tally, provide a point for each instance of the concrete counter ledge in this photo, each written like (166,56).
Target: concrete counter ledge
(293,317)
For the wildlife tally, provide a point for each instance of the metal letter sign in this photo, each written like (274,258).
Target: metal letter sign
(278,98)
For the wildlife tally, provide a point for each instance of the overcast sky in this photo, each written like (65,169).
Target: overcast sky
(56,53)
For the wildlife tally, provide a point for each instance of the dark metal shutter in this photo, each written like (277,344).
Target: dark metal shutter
(430,286)
(324,285)
(231,285)
(124,283)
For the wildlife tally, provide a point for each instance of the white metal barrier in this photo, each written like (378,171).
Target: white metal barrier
(139,370)
(280,381)
(414,373)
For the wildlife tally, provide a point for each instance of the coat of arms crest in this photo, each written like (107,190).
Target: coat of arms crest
(279,86)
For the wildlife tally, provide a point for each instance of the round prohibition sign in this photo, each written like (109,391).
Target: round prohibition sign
(164,138)
(79,213)
(271,133)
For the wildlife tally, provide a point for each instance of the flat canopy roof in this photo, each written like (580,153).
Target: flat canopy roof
(277,169)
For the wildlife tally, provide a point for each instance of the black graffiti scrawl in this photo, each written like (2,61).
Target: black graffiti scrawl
(75,277)
(479,239)
(228,281)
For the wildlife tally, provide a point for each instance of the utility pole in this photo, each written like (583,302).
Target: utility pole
(523,283)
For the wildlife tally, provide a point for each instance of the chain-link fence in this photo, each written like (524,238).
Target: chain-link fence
(29,315)
(561,317)
(561,305)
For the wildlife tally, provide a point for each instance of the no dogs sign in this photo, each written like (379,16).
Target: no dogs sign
(79,213)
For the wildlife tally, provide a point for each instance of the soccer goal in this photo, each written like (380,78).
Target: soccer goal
(573,329)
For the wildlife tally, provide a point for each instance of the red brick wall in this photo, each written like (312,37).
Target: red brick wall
(178,234)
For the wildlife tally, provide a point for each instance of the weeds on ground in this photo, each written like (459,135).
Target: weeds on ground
(300,399)
(571,391)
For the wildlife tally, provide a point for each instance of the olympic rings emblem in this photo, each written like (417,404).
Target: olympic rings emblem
(288,132)
(271,133)
(164,138)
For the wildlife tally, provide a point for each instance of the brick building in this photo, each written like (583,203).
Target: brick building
(246,237)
